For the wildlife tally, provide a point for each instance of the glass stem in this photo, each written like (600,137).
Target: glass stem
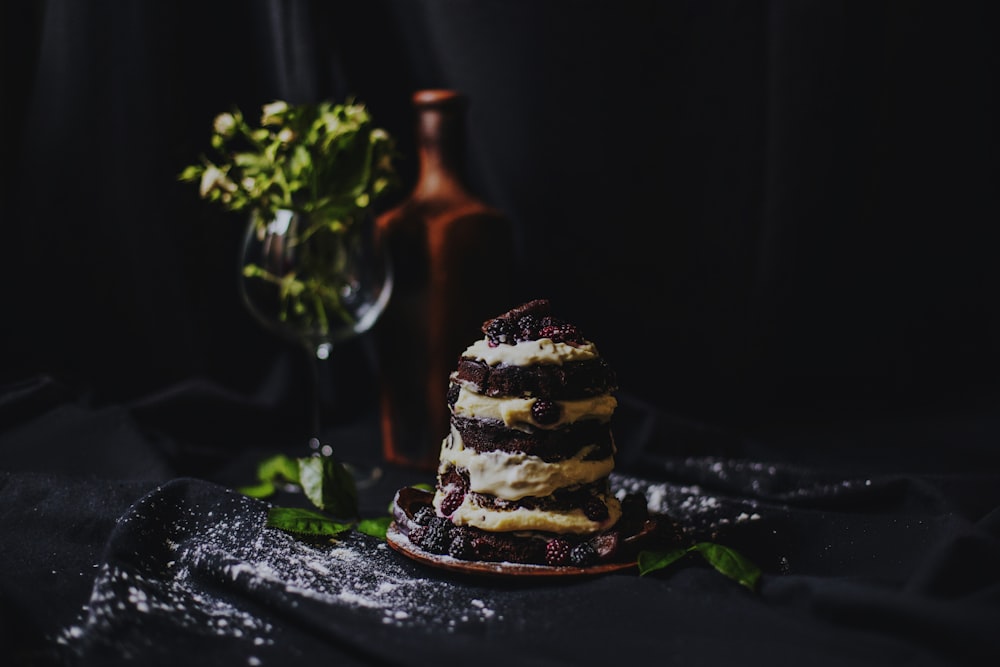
(320,400)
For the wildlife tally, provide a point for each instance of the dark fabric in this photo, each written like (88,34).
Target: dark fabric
(794,200)
(54,528)
(869,562)
(190,571)
(776,218)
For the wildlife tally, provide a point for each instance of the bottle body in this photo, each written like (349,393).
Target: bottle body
(452,259)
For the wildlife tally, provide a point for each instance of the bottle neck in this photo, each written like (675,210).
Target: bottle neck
(440,145)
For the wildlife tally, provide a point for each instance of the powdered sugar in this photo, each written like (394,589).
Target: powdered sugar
(692,505)
(224,574)
(197,561)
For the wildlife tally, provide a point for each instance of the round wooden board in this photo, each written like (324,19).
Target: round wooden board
(398,541)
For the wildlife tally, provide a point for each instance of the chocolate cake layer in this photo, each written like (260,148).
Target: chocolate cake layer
(564,500)
(557,445)
(570,380)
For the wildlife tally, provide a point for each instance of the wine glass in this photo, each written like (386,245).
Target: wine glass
(312,282)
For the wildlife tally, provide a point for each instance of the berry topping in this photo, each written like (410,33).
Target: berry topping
(518,324)
(561,332)
(451,501)
(424,515)
(596,510)
(461,547)
(451,397)
(434,537)
(527,328)
(545,412)
(557,551)
(583,555)
(499,330)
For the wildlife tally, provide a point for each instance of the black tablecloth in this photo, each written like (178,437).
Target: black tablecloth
(125,543)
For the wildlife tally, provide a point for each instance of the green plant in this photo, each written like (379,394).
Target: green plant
(328,487)
(321,158)
(326,162)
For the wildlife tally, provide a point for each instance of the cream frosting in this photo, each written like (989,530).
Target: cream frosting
(515,476)
(530,352)
(564,522)
(516,412)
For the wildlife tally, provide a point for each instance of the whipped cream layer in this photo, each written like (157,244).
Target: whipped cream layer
(516,412)
(564,522)
(529,352)
(515,476)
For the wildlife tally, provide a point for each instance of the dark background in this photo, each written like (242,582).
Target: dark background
(765,213)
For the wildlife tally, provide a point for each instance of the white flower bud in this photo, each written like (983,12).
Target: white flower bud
(224,124)
(272,112)
(214,178)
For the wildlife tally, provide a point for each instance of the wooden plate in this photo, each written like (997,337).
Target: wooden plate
(402,544)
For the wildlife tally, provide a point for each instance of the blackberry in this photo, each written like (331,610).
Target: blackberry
(557,551)
(434,537)
(499,330)
(527,328)
(418,535)
(424,515)
(561,332)
(595,509)
(451,396)
(461,547)
(583,555)
(451,501)
(545,412)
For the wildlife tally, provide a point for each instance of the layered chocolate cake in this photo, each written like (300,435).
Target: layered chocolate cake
(523,475)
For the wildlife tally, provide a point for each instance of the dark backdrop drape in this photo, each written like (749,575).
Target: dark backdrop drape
(760,210)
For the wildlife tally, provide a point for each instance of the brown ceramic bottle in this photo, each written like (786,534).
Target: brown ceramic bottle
(452,260)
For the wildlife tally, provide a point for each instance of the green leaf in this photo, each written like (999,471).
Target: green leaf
(262,490)
(329,485)
(730,563)
(375,527)
(191,172)
(304,522)
(724,559)
(271,472)
(278,468)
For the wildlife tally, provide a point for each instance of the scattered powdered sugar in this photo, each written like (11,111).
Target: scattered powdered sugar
(709,494)
(216,571)
(119,593)
(224,574)
(693,506)
(197,561)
